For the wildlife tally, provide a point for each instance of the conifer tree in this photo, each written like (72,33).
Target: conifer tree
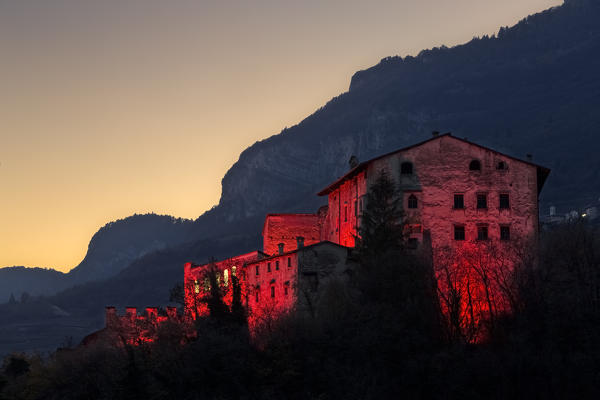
(379,240)
(216,306)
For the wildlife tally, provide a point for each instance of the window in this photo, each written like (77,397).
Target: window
(268,267)
(285,290)
(481,201)
(355,208)
(504,232)
(226,277)
(277,265)
(504,201)
(475,165)
(482,232)
(459,232)
(257,295)
(459,201)
(406,168)
(206,284)
(501,165)
(196,286)
(412,201)
(272,291)
(345,213)
(233,270)
(413,243)
(289,262)
(257,270)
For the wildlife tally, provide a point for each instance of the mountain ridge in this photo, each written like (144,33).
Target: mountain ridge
(533,88)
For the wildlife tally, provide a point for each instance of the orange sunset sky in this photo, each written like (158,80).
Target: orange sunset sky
(115,107)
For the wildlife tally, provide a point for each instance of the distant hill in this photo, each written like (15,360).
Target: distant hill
(111,249)
(533,88)
(16,280)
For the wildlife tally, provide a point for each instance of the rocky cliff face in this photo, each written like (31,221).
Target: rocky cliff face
(532,89)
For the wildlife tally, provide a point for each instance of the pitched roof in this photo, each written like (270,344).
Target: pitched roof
(542,172)
(324,242)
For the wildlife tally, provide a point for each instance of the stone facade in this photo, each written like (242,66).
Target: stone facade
(458,198)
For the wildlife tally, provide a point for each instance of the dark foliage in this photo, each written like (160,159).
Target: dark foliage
(370,347)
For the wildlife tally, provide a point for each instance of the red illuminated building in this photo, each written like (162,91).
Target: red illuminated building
(469,207)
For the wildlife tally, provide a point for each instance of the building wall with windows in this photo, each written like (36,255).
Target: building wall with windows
(463,202)
(447,186)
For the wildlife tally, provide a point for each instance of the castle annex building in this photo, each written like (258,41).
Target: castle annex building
(454,194)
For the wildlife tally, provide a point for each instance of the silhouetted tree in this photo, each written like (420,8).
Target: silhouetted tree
(177,295)
(237,308)
(214,299)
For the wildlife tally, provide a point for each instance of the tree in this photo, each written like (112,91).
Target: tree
(380,236)
(177,295)
(237,308)
(214,299)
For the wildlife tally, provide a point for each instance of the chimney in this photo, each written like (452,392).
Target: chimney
(353,162)
(435,133)
(280,247)
(300,241)
(529,157)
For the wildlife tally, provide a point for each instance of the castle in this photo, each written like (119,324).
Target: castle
(459,199)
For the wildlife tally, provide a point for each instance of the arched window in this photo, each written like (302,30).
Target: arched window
(406,168)
(501,165)
(412,201)
(475,165)
(226,277)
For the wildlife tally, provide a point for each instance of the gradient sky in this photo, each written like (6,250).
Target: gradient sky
(115,107)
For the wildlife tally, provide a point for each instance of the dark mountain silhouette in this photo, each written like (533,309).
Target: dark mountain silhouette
(111,249)
(533,88)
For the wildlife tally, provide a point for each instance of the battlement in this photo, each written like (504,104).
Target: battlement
(150,316)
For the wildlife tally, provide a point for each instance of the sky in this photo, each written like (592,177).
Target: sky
(114,107)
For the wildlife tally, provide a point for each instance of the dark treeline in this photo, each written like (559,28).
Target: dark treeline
(381,336)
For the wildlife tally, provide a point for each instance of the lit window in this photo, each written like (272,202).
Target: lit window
(206,284)
(475,165)
(504,233)
(459,201)
(233,269)
(406,168)
(481,201)
(226,277)
(196,286)
(257,270)
(272,291)
(277,265)
(412,201)
(504,201)
(268,267)
(482,233)
(459,232)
